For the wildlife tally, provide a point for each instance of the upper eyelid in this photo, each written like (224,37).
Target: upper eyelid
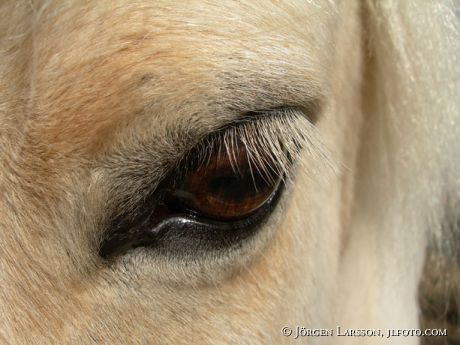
(261,116)
(185,137)
(310,112)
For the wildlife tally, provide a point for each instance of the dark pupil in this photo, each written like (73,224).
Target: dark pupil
(231,187)
(225,188)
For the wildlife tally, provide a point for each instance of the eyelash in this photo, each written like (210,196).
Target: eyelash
(284,134)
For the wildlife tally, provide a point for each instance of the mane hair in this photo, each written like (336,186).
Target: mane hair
(409,167)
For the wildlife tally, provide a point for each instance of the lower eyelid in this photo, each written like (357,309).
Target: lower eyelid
(185,234)
(189,235)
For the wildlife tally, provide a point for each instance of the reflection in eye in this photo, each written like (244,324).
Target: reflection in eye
(219,194)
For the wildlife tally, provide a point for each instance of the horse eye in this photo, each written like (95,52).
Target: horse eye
(206,204)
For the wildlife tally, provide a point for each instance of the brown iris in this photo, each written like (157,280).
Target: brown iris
(226,186)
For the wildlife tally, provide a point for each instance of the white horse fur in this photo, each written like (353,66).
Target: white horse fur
(93,95)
